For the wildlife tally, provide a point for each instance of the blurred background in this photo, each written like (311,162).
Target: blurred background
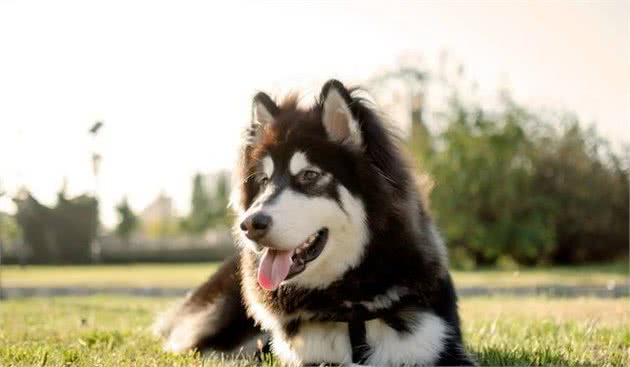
(120,123)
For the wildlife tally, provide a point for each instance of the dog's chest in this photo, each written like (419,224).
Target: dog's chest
(314,343)
(329,342)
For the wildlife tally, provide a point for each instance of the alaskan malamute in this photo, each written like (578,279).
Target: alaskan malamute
(339,260)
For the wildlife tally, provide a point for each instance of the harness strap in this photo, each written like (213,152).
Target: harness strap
(358,341)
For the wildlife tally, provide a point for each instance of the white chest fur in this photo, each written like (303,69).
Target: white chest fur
(315,343)
(330,342)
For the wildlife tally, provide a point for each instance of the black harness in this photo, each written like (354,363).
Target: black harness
(357,316)
(361,350)
(358,341)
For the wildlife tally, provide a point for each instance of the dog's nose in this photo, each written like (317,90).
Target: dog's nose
(256,226)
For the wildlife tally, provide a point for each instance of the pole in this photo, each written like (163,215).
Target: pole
(95,246)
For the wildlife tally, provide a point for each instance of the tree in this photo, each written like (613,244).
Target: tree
(587,186)
(198,220)
(513,185)
(219,215)
(62,234)
(128,221)
(9,233)
(484,198)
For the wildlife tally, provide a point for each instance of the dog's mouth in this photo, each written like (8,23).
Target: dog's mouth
(277,266)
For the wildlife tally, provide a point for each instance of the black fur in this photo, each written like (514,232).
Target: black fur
(237,327)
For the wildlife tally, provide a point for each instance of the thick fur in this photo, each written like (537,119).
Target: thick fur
(384,264)
(211,317)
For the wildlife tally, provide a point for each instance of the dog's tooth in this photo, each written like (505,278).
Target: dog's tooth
(309,241)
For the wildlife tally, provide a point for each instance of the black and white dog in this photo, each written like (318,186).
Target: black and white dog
(339,260)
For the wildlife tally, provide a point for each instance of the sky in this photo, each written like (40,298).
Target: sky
(173,80)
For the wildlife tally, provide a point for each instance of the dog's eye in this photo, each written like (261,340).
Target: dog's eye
(263,181)
(308,176)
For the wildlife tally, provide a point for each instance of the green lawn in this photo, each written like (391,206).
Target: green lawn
(189,275)
(114,331)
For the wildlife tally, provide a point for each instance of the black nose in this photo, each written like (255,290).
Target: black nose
(256,226)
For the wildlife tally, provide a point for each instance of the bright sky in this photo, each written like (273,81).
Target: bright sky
(172,80)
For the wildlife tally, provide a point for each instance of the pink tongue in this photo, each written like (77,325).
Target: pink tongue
(274,268)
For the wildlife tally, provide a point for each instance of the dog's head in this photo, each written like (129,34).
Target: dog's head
(306,181)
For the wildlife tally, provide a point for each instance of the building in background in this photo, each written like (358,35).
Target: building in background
(158,219)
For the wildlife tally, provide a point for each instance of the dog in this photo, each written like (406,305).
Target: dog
(339,260)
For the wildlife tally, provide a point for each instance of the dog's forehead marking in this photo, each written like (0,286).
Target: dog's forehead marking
(267,164)
(298,162)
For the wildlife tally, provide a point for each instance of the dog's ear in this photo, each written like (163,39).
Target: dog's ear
(264,109)
(340,124)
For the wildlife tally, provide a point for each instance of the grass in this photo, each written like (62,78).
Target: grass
(539,331)
(189,275)
(129,275)
(114,331)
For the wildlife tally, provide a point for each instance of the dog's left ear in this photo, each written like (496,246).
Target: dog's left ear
(339,122)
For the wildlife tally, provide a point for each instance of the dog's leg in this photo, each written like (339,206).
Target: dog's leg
(211,318)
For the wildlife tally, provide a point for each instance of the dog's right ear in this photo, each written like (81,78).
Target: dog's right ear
(264,109)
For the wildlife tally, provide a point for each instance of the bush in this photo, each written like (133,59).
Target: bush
(516,186)
(62,234)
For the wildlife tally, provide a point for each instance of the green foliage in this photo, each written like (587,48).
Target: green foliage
(208,207)
(199,217)
(513,186)
(219,214)
(587,186)
(128,221)
(9,231)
